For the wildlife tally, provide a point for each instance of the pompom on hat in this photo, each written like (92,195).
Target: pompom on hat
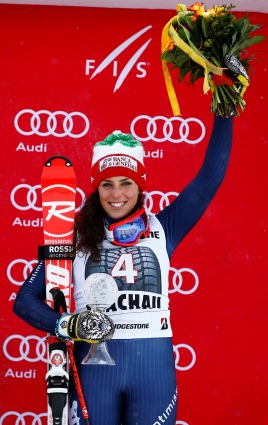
(118,155)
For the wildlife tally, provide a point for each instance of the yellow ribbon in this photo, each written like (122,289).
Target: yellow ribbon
(169,36)
(166,41)
(244,82)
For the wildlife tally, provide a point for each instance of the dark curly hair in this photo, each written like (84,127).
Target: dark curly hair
(89,226)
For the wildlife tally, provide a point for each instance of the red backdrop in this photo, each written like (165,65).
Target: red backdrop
(69,77)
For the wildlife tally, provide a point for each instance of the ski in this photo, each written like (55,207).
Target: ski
(60,306)
(58,186)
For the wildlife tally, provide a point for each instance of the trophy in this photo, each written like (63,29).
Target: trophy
(100,291)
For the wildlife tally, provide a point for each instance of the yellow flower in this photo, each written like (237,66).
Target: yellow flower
(196,7)
(206,14)
(201,10)
(169,46)
(211,11)
(219,9)
(198,10)
(215,11)
(181,7)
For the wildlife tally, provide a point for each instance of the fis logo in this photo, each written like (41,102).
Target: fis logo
(164,324)
(112,59)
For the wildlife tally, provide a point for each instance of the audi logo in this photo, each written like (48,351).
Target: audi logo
(177,280)
(45,123)
(21,418)
(182,352)
(162,129)
(31,197)
(26,197)
(31,348)
(163,199)
(26,270)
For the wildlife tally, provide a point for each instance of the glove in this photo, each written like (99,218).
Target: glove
(236,71)
(89,326)
(226,102)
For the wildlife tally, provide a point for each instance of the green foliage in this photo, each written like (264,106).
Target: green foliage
(214,33)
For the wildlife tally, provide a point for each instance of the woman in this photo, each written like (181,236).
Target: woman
(116,236)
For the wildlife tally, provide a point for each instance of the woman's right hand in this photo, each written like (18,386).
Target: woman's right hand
(90,326)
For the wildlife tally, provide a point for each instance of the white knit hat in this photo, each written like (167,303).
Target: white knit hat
(118,155)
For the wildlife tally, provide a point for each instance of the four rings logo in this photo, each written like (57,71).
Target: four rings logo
(157,200)
(28,418)
(31,348)
(185,356)
(18,270)
(26,197)
(45,123)
(161,129)
(177,280)
(110,59)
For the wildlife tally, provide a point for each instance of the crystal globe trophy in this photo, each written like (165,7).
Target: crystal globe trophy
(100,291)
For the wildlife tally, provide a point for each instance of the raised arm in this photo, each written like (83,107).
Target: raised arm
(180,217)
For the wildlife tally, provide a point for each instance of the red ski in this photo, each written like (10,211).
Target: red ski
(58,202)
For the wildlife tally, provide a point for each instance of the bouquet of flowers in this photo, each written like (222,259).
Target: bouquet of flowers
(210,44)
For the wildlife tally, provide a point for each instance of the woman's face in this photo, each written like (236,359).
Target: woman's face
(118,196)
